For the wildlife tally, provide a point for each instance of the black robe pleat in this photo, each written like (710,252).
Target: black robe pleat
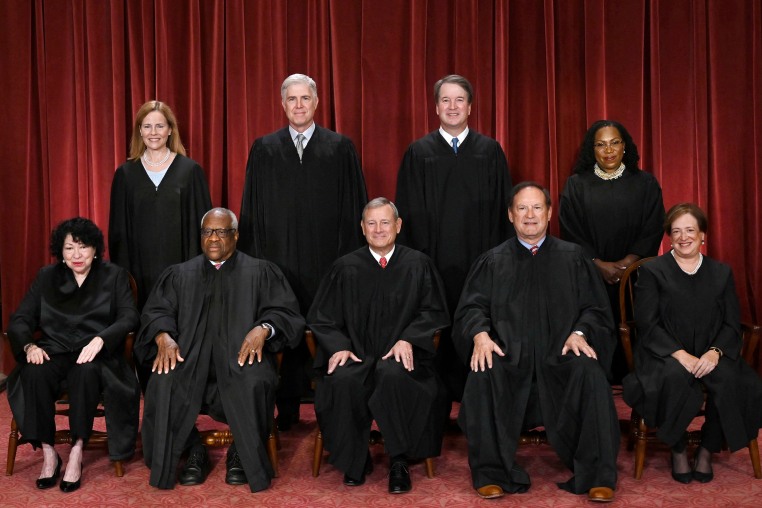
(68,317)
(529,305)
(247,292)
(151,229)
(453,208)
(673,311)
(366,309)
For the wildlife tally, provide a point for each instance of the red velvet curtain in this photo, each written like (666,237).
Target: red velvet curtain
(684,76)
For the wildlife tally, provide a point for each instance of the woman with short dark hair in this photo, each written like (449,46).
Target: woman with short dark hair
(83,308)
(689,343)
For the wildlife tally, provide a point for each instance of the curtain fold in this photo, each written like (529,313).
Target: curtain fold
(685,77)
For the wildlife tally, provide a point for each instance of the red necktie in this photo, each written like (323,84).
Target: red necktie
(534,250)
(382,262)
(217,265)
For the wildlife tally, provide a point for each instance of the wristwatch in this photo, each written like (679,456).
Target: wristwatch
(269,328)
(581,334)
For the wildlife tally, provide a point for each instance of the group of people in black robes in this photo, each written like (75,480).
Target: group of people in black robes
(526,326)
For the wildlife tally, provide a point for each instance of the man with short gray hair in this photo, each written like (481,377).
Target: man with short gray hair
(301,208)
(374,318)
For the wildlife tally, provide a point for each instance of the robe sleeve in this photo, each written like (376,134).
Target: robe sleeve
(651,232)
(411,202)
(127,318)
(326,318)
(159,315)
(728,338)
(119,221)
(200,203)
(25,320)
(431,314)
(473,314)
(651,332)
(280,309)
(502,229)
(573,219)
(353,198)
(248,240)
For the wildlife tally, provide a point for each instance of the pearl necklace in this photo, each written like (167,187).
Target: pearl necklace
(696,269)
(156,164)
(608,176)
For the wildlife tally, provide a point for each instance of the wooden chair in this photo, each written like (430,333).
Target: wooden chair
(98,439)
(640,434)
(375,436)
(224,437)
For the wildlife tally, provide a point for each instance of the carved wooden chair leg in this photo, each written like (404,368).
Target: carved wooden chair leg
(754,452)
(641,439)
(632,431)
(429,467)
(318,454)
(272,452)
(119,468)
(13,443)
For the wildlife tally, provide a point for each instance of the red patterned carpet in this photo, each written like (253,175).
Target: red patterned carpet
(734,484)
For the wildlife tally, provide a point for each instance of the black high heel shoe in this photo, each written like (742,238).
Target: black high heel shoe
(72,486)
(698,475)
(678,477)
(50,481)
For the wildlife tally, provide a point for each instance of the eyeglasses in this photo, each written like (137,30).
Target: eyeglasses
(602,145)
(221,233)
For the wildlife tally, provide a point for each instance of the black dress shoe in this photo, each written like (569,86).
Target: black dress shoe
(356,482)
(72,486)
(235,474)
(399,478)
(196,467)
(50,481)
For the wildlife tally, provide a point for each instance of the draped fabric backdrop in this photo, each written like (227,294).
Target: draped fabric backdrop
(684,76)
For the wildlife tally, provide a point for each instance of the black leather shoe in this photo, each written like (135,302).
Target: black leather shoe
(356,482)
(72,486)
(399,478)
(235,474)
(50,481)
(196,467)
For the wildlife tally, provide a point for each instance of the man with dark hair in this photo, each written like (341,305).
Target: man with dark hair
(534,326)
(301,205)
(374,318)
(452,189)
(211,329)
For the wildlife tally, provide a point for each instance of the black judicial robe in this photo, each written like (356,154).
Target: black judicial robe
(454,207)
(613,218)
(366,309)
(245,293)
(529,305)
(673,311)
(68,317)
(302,215)
(149,228)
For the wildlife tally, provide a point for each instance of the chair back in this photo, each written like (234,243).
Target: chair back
(626,309)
